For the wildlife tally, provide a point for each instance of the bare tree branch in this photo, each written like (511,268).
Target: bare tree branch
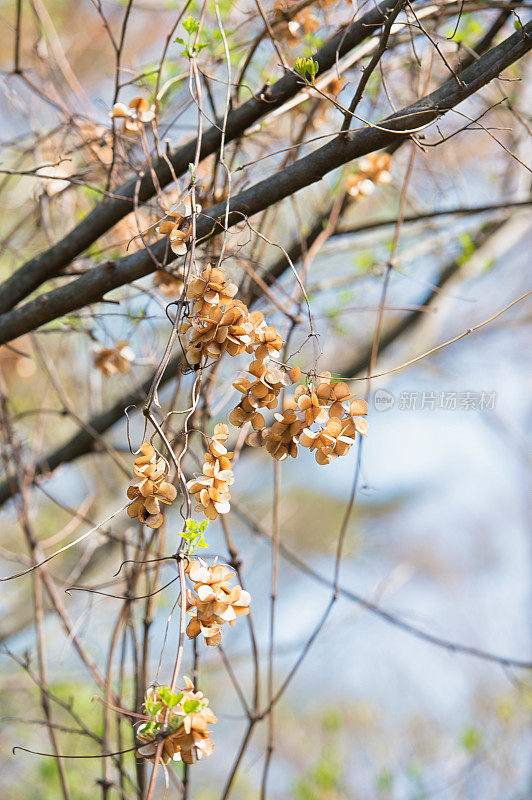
(92,286)
(107,213)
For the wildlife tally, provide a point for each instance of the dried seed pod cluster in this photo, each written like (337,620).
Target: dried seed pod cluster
(262,391)
(181,720)
(325,418)
(213,602)
(135,115)
(321,418)
(370,171)
(281,438)
(219,323)
(211,489)
(151,489)
(111,360)
(176,224)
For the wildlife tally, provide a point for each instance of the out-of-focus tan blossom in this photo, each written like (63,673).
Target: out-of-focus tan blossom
(151,489)
(135,115)
(55,178)
(15,362)
(181,720)
(335,86)
(97,141)
(319,115)
(111,360)
(213,602)
(290,27)
(371,170)
(168,284)
(211,489)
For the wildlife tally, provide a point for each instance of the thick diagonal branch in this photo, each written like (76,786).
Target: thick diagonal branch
(50,263)
(92,286)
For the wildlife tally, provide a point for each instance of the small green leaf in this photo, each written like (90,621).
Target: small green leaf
(150,729)
(312,68)
(471,740)
(468,248)
(518,24)
(384,781)
(191,706)
(194,535)
(191,25)
(170,699)
(300,66)
(304,65)
(152,708)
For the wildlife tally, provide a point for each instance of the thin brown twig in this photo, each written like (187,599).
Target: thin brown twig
(375,59)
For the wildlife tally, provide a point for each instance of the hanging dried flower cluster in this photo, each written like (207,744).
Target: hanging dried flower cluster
(290,27)
(321,418)
(176,224)
(260,392)
(181,720)
(213,602)
(211,489)
(371,170)
(220,323)
(135,115)
(151,489)
(111,360)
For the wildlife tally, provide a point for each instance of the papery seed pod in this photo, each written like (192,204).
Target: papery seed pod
(213,602)
(186,732)
(151,488)
(211,489)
